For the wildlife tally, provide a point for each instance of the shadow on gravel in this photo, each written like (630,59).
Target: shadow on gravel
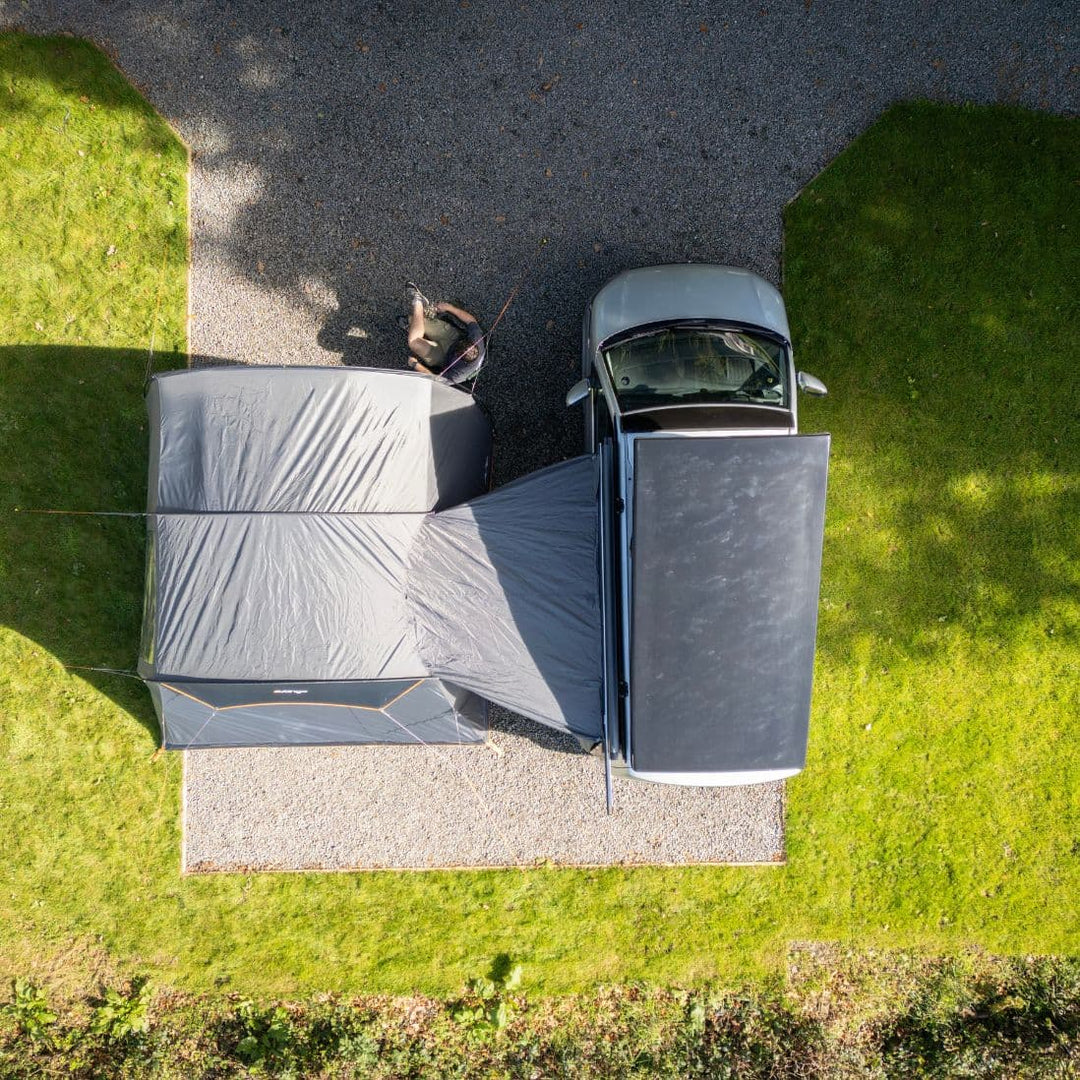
(546,738)
(338,154)
(73,437)
(341,151)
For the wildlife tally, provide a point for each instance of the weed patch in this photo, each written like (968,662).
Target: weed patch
(973,1016)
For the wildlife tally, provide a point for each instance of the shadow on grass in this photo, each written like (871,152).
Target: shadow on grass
(933,530)
(73,437)
(927,271)
(74,67)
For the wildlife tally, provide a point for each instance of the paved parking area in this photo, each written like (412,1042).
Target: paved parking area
(339,149)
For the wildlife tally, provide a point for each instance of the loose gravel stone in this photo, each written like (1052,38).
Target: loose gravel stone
(530,796)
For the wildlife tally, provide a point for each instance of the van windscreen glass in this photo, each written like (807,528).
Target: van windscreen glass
(691,365)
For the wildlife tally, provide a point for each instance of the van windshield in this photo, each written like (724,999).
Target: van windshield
(695,365)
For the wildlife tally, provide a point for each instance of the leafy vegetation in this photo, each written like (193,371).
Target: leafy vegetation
(486,1004)
(928,275)
(30,1012)
(857,1015)
(118,1016)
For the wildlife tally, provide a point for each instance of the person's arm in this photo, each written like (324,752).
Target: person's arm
(476,340)
(416,365)
(458,313)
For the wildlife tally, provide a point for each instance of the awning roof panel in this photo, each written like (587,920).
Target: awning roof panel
(283,596)
(312,440)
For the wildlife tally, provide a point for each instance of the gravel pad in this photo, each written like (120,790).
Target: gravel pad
(527,797)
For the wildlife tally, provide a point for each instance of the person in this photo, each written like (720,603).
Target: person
(449,344)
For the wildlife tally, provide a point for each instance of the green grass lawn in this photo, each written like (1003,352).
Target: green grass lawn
(928,277)
(931,276)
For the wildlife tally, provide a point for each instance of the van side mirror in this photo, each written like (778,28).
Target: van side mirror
(579,391)
(809,384)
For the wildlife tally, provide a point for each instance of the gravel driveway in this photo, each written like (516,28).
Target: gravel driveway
(341,148)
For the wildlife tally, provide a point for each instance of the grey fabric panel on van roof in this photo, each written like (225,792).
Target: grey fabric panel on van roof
(727,538)
(301,439)
(505,593)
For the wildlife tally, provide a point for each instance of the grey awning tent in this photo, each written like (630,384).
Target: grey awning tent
(323,568)
(312,440)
